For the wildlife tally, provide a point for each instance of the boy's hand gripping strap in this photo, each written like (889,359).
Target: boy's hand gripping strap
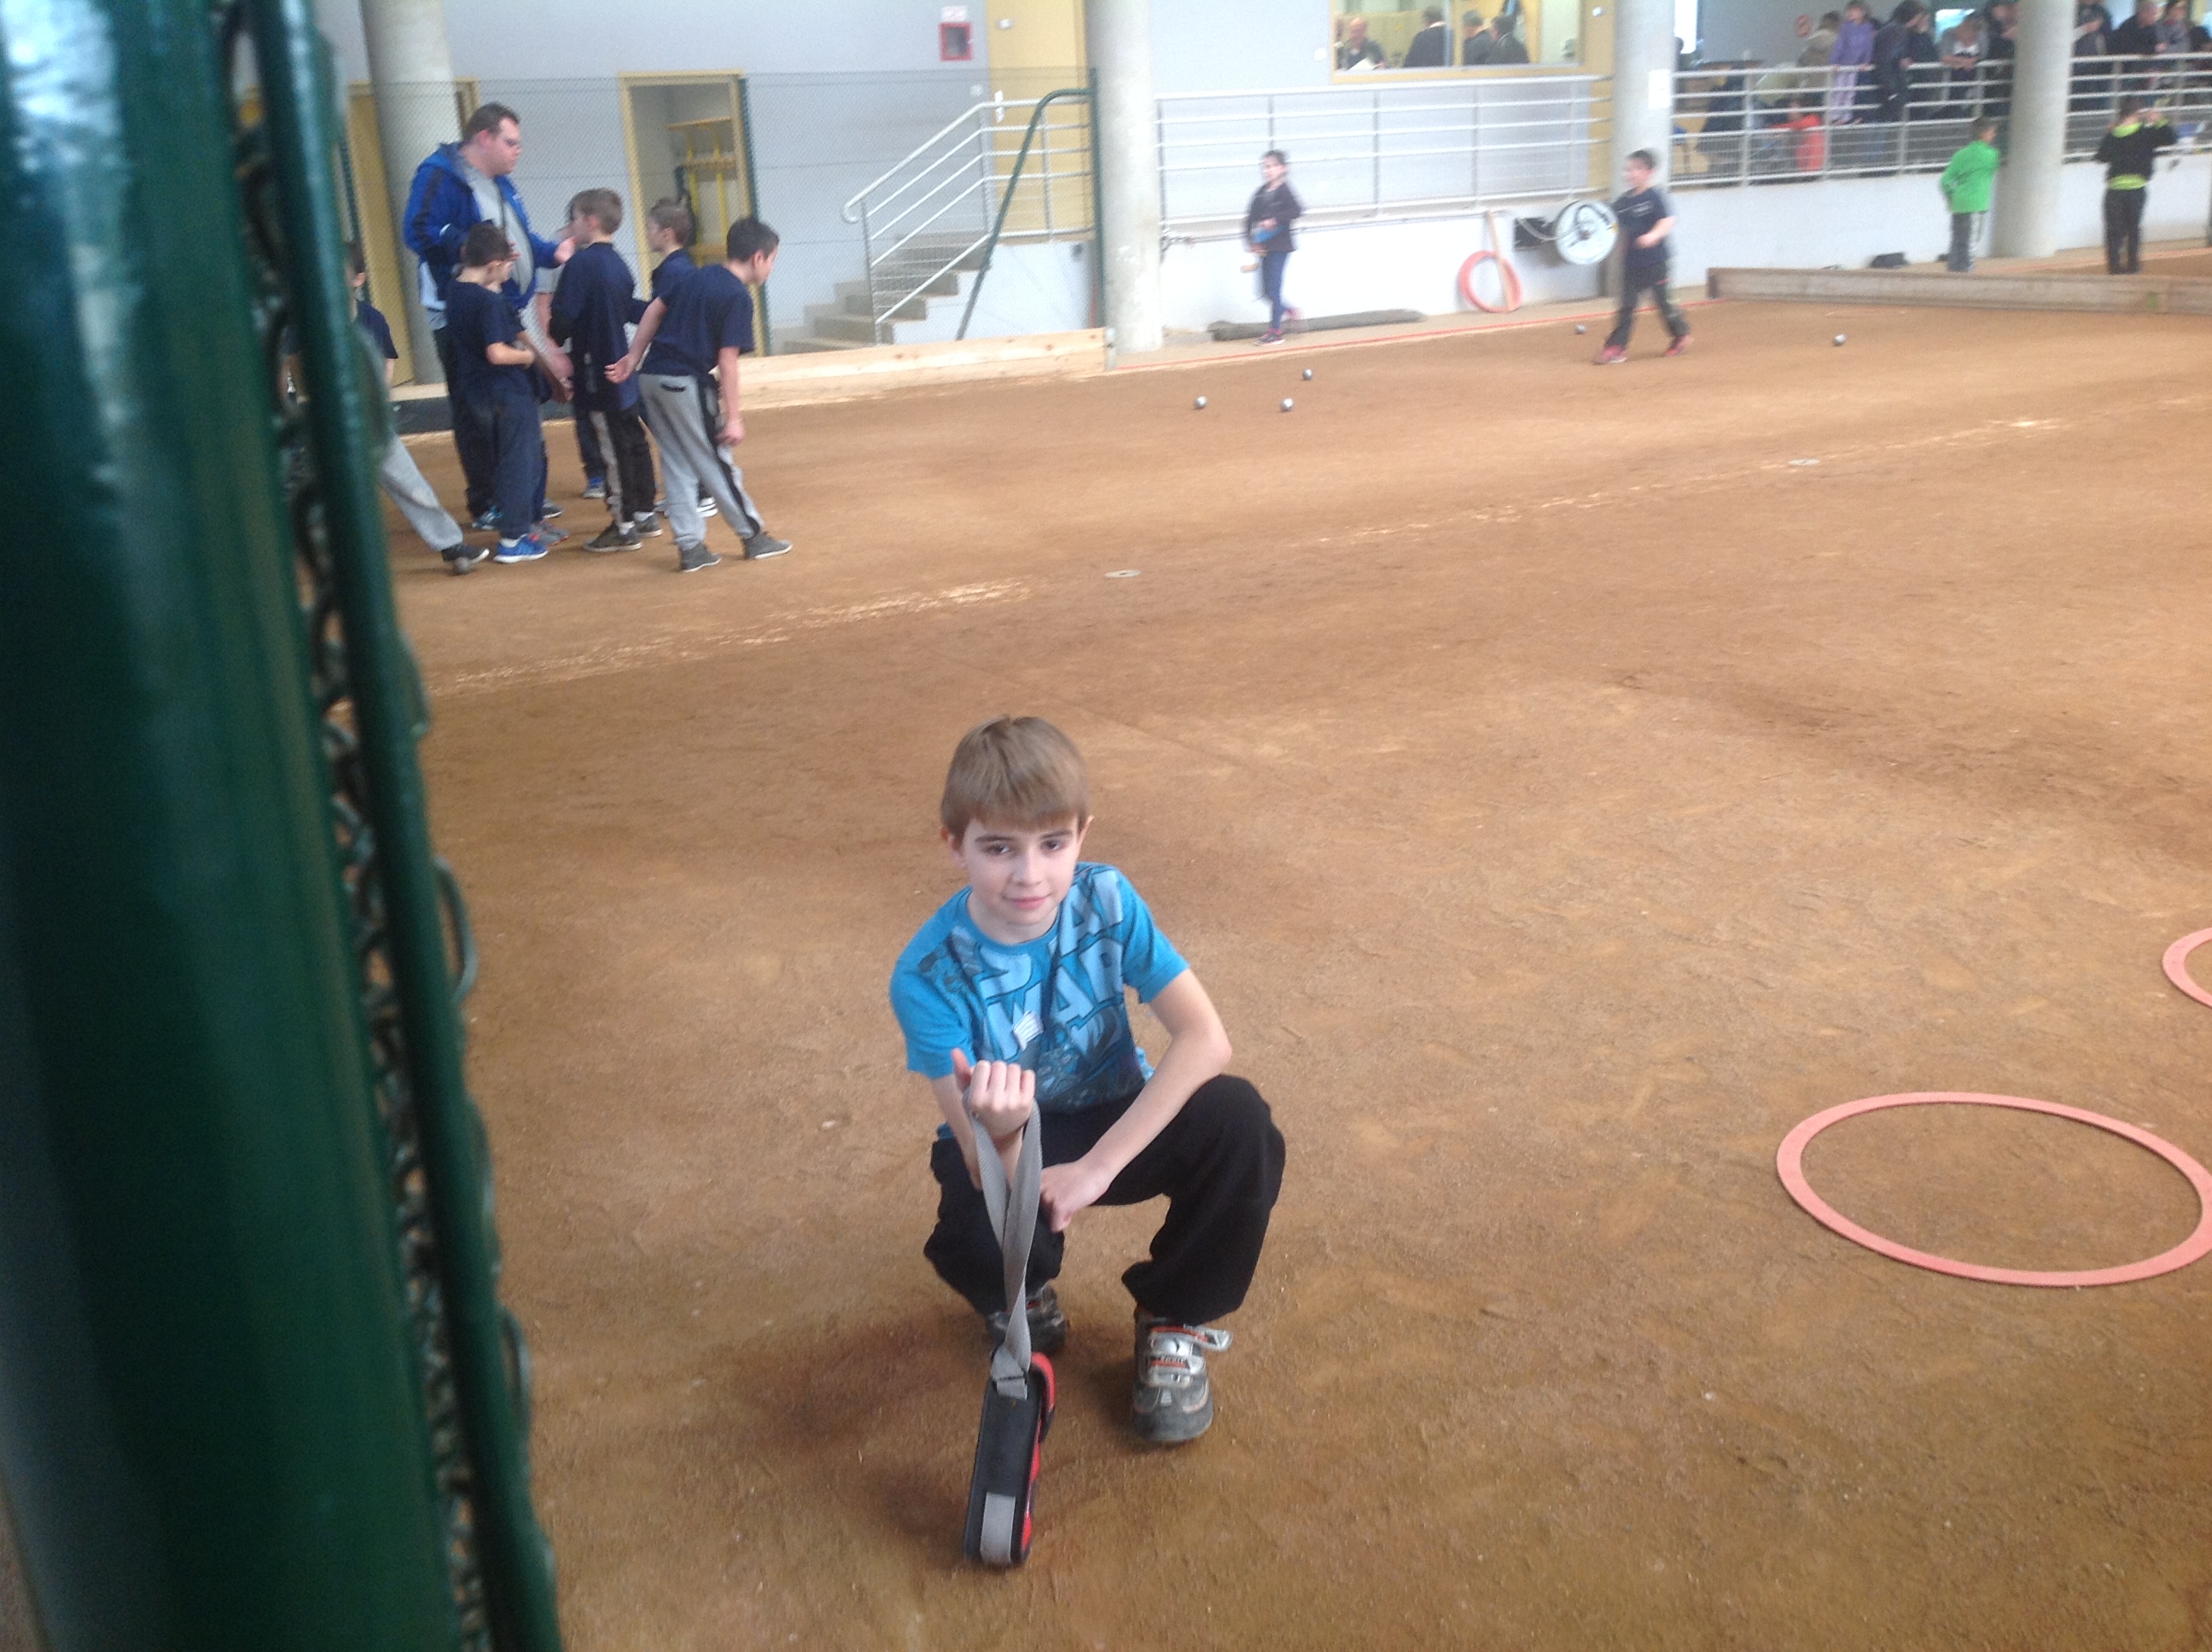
(1013,1213)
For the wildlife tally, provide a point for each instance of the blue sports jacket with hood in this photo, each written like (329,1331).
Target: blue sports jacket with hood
(442,209)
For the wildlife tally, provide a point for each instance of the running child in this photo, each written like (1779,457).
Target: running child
(494,360)
(1646,218)
(590,315)
(687,349)
(1010,999)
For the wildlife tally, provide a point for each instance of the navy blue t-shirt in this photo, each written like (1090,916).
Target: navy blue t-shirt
(1637,213)
(670,270)
(477,317)
(591,310)
(709,311)
(370,320)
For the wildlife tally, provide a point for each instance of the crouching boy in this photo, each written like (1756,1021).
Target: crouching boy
(1010,999)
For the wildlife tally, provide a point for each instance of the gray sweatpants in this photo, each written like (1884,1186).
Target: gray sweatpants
(686,415)
(416,498)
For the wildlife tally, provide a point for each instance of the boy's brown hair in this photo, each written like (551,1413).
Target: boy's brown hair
(602,206)
(484,245)
(1015,771)
(673,215)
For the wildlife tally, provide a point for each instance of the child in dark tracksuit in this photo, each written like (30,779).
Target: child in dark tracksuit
(591,316)
(1645,216)
(2128,153)
(498,381)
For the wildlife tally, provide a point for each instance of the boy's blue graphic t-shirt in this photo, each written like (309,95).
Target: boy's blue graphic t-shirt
(955,988)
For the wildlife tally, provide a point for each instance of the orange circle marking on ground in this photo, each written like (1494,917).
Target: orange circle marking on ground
(1789,1161)
(2177,964)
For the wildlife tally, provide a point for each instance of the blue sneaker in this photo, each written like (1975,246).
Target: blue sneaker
(486,521)
(595,487)
(527,549)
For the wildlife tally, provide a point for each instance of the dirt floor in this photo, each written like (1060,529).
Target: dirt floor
(1565,782)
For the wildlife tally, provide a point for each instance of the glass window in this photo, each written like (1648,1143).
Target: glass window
(1394,38)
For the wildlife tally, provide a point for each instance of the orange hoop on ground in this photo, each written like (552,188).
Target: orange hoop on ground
(2177,964)
(1508,284)
(1789,1163)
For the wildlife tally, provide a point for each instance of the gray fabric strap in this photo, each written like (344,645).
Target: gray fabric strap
(996,1544)
(1013,1217)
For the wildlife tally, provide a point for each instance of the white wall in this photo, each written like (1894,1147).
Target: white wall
(570,39)
(1764,31)
(1239,46)
(1847,221)
(1343,270)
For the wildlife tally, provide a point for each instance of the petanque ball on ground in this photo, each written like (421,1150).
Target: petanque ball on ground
(1287,404)
(1839,339)
(1201,402)
(1307,374)
(1580,328)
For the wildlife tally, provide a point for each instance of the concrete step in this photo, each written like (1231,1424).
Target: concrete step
(809,345)
(837,325)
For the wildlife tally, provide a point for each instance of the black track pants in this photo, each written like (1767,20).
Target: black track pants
(1634,284)
(2124,210)
(1219,1163)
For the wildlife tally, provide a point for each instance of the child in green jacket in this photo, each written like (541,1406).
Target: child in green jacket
(1966,184)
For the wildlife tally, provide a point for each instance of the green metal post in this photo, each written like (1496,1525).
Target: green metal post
(1014,179)
(210,1420)
(256,1390)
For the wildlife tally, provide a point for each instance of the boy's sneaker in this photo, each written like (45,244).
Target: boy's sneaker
(765,545)
(614,538)
(461,558)
(1172,1398)
(595,487)
(692,558)
(645,527)
(527,549)
(486,521)
(1047,1324)
(1612,355)
(548,513)
(1680,347)
(550,535)
(1273,335)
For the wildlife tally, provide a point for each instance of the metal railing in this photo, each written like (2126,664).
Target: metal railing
(1751,124)
(934,213)
(1380,153)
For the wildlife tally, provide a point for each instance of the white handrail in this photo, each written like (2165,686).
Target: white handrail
(851,210)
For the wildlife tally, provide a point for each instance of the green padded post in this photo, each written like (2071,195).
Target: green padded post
(213,1423)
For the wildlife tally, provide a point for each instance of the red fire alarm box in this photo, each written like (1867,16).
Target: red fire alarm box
(956,36)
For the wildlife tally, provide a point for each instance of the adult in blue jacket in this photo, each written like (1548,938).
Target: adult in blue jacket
(461,185)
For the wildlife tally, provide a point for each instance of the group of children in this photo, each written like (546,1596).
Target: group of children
(676,377)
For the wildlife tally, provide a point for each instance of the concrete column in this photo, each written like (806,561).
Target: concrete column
(1118,33)
(2035,135)
(1642,82)
(410,67)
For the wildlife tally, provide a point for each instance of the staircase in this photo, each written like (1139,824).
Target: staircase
(933,312)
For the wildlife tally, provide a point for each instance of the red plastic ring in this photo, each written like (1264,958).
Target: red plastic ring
(2177,964)
(1508,283)
(1790,1163)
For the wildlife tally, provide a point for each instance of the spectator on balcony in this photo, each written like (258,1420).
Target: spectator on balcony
(1357,52)
(2138,36)
(1478,41)
(1854,52)
(1962,49)
(1820,43)
(2177,34)
(2092,78)
(1430,47)
(1509,49)
(1899,43)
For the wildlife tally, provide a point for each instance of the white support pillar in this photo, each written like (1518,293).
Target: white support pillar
(411,67)
(1642,84)
(1119,35)
(2035,135)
